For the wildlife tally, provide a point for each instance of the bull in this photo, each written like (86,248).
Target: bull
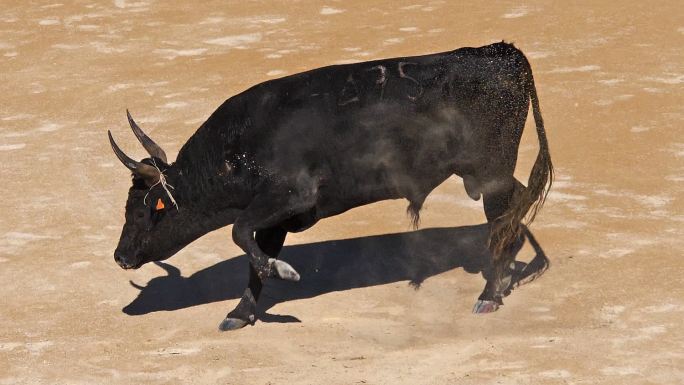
(288,152)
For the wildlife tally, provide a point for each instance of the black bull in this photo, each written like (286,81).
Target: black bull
(288,152)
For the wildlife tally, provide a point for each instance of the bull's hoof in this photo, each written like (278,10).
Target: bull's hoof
(484,306)
(243,314)
(283,270)
(232,324)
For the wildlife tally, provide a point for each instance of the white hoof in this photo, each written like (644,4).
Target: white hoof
(232,324)
(482,307)
(284,270)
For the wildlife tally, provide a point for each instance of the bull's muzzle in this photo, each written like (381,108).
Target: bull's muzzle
(124,262)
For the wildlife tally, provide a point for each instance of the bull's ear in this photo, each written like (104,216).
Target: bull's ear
(146,172)
(152,148)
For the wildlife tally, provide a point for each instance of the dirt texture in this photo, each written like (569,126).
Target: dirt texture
(378,303)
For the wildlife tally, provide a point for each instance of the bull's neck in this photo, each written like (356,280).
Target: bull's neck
(206,182)
(203,207)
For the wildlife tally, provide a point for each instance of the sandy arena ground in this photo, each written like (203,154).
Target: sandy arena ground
(608,311)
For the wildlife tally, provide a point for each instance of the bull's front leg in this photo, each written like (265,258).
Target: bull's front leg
(262,250)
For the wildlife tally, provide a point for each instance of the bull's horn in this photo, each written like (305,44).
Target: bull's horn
(143,170)
(152,148)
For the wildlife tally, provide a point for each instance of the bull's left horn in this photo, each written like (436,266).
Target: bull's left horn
(152,148)
(149,173)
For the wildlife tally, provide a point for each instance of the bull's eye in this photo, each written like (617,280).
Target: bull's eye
(160,205)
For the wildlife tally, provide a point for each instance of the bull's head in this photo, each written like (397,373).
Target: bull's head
(151,231)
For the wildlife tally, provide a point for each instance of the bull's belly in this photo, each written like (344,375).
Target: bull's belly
(327,207)
(336,198)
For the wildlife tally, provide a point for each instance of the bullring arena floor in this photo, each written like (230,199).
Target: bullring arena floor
(608,311)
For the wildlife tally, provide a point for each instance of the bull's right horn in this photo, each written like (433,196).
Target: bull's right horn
(152,148)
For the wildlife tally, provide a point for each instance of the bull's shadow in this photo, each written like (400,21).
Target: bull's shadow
(334,266)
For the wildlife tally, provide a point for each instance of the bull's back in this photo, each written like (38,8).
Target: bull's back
(384,123)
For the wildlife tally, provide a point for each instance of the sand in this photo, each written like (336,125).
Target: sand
(609,310)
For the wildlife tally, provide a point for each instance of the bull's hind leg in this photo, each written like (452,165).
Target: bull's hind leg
(497,200)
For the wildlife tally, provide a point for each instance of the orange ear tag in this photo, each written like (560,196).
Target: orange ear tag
(160,204)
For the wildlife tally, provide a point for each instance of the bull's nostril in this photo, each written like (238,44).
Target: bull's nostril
(121,261)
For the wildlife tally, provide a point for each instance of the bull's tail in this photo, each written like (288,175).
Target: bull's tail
(527,201)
